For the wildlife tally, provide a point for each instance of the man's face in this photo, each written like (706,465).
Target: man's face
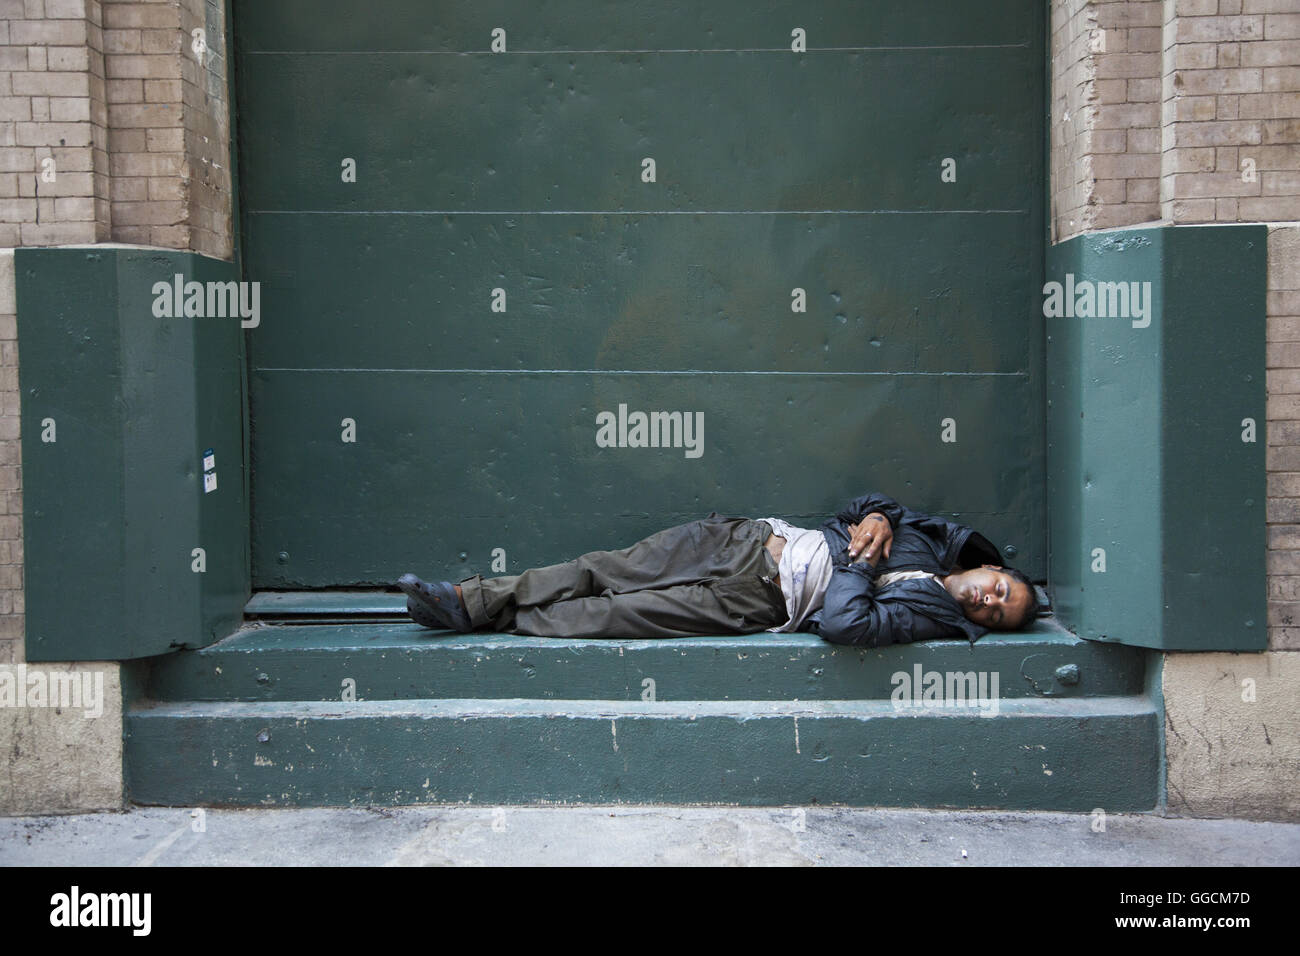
(990,597)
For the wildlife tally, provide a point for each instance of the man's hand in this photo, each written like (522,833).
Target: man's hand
(871,537)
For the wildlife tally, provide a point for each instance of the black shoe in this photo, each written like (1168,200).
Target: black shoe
(439,600)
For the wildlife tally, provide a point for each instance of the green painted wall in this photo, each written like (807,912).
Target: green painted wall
(114,506)
(1146,458)
(521,171)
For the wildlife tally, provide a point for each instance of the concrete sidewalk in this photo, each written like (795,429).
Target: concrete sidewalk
(636,835)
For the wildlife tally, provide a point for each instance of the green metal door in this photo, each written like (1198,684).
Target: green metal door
(804,240)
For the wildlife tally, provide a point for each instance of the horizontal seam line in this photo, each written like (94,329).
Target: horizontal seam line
(564,52)
(623,371)
(633,212)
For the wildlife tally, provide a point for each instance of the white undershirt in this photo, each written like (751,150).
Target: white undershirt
(805,568)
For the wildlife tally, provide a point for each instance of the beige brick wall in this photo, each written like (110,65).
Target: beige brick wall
(143,47)
(133,117)
(168,125)
(1105,153)
(1185,111)
(207,131)
(1073,98)
(53,135)
(1230,108)
(1126,160)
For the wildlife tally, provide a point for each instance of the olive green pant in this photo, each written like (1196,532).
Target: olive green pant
(713,576)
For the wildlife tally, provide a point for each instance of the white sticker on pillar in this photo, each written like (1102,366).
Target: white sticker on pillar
(209,460)
(209,482)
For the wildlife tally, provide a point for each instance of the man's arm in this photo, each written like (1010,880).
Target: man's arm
(849,529)
(859,508)
(852,615)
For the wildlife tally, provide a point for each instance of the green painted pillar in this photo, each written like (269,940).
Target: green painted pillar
(1156,436)
(120,409)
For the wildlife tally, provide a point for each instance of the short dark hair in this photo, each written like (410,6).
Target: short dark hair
(1031,612)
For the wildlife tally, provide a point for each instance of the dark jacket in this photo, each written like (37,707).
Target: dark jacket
(855,611)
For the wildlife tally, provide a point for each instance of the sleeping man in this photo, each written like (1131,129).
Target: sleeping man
(876,573)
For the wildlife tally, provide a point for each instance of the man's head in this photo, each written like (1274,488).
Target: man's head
(998,598)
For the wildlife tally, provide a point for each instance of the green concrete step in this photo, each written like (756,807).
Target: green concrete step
(1071,754)
(370,710)
(402,661)
(340,605)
